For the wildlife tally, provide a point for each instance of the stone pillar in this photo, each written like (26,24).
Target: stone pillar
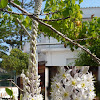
(98,73)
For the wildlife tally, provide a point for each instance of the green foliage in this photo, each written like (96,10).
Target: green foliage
(73,27)
(17,60)
(80,1)
(84,59)
(3,49)
(21,96)
(9,92)
(1,15)
(2,53)
(11,32)
(3,3)
(69,26)
(17,2)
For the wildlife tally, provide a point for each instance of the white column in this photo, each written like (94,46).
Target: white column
(46,82)
(37,62)
(98,73)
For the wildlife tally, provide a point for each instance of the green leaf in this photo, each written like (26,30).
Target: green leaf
(77,6)
(94,35)
(98,20)
(27,19)
(47,17)
(80,1)
(21,96)
(9,92)
(1,15)
(9,9)
(5,16)
(51,2)
(21,17)
(3,3)
(17,2)
(11,17)
(30,25)
(73,1)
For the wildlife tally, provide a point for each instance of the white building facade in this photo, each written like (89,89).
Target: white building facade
(54,53)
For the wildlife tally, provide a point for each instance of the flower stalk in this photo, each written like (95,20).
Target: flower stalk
(31,81)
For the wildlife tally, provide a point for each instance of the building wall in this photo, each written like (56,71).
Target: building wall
(54,53)
(60,56)
(87,12)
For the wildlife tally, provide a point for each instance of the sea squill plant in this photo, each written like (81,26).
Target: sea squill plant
(31,81)
(73,84)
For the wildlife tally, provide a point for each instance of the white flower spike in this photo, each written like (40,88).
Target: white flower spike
(73,84)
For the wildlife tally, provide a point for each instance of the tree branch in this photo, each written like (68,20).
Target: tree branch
(30,14)
(24,28)
(17,6)
(17,86)
(46,13)
(55,19)
(12,81)
(59,33)
(68,39)
(10,12)
(6,80)
(83,39)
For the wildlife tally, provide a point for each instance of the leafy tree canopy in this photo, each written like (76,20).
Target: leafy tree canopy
(17,60)
(3,49)
(10,32)
(84,59)
(71,26)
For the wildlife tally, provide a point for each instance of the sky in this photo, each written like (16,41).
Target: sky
(90,3)
(86,3)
